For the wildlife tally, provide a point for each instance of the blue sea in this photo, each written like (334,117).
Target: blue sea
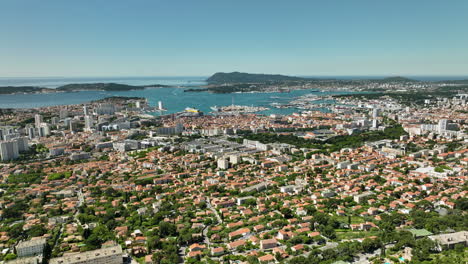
(174,99)
(54,82)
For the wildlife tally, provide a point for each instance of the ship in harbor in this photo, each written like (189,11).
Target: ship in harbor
(189,112)
(192,110)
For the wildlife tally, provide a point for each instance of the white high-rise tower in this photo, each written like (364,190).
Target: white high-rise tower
(37,120)
(443,125)
(85,110)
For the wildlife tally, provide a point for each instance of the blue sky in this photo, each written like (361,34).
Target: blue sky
(198,37)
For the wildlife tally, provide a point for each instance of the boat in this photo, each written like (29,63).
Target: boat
(192,110)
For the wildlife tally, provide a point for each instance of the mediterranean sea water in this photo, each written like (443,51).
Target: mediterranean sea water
(174,99)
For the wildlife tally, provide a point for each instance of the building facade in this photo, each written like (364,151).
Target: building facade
(110,255)
(34,247)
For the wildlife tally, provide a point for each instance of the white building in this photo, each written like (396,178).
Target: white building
(31,132)
(80,156)
(359,198)
(73,126)
(443,125)
(235,159)
(375,113)
(63,113)
(106,109)
(121,146)
(223,164)
(179,128)
(110,255)
(30,248)
(23,145)
(54,120)
(89,122)
(43,130)
(342,165)
(38,120)
(9,150)
(56,151)
(85,110)
(451,239)
(287,188)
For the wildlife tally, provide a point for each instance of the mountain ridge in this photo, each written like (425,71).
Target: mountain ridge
(242,77)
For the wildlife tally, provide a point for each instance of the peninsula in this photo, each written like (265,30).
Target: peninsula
(238,82)
(74,87)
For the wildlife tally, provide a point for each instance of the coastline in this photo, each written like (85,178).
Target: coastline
(174,99)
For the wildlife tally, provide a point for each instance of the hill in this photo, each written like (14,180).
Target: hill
(98,87)
(21,89)
(398,79)
(454,81)
(77,87)
(240,77)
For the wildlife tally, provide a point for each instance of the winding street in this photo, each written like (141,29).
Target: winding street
(208,204)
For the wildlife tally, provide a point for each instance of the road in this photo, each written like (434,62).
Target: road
(80,197)
(58,236)
(205,235)
(182,253)
(80,203)
(208,204)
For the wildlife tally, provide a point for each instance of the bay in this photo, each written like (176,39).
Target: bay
(174,99)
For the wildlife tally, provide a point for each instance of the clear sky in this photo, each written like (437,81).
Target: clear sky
(200,37)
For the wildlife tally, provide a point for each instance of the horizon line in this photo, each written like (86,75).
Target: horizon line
(198,76)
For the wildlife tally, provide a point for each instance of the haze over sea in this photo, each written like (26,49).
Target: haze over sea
(53,82)
(174,99)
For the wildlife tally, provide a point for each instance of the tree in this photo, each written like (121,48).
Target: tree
(370,245)
(422,249)
(16,210)
(299,260)
(250,202)
(404,239)
(462,204)
(328,231)
(37,230)
(153,243)
(348,249)
(310,209)
(99,235)
(321,218)
(167,229)
(329,254)
(287,212)
(9,256)
(16,230)
(314,258)
(157,257)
